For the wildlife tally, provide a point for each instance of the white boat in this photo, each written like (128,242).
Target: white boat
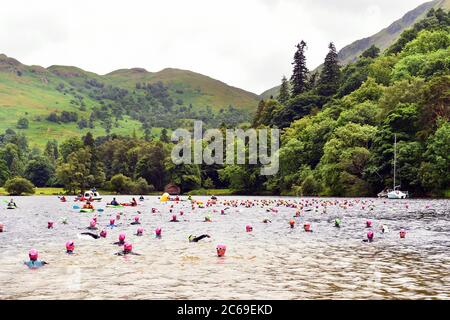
(395,193)
(92,194)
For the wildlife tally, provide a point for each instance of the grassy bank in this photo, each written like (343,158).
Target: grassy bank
(210,192)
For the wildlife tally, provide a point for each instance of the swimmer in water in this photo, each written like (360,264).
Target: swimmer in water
(93,235)
(369,237)
(174,219)
(34,263)
(140,231)
(112,223)
(114,202)
(266,221)
(197,239)
(337,223)
(127,249)
(121,241)
(70,247)
(136,221)
(307,227)
(92,225)
(158,232)
(141,198)
(1,227)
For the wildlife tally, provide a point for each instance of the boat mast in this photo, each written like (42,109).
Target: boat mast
(395,156)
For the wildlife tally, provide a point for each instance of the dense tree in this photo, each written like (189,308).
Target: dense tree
(39,171)
(18,186)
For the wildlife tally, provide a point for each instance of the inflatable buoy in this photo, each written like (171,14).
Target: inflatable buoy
(165,197)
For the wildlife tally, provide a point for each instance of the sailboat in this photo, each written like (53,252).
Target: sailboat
(395,193)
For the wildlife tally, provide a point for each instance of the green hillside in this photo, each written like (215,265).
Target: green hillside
(119,102)
(381,39)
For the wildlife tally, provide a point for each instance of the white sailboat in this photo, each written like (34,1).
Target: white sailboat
(395,193)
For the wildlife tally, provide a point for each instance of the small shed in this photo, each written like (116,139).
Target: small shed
(172,189)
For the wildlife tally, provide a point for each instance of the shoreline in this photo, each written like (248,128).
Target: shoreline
(203,193)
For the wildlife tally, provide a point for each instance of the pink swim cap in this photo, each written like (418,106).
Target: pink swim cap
(248,228)
(50,224)
(103,233)
(70,246)
(307,226)
(92,223)
(95,219)
(121,236)
(1,227)
(174,217)
(140,230)
(127,247)
(158,231)
(136,218)
(368,223)
(111,221)
(181,212)
(370,235)
(221,248)
(33,254)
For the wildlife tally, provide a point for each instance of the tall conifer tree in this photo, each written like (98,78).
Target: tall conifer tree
(283,96)
(331,73)
(299,76)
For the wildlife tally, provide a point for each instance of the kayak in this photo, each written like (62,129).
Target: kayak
(114,206)
(87,210)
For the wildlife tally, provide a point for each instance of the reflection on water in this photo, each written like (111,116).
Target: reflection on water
(272,262)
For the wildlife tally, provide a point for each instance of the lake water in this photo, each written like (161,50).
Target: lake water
(271,262)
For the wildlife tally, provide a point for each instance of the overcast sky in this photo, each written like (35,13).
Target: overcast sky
(245,43)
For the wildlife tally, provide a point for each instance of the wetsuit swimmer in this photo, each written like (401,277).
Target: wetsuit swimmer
(93,235)
(133,202)
(92,225)
(213,197)
(114,202)
(136,221)
(337,223)
(369,237)
(121,241)
(197,239)
(266,221)
(70,247)
(34,263)
(127,249)
(141,198)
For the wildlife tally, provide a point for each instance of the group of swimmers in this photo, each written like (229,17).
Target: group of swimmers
(270,205)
